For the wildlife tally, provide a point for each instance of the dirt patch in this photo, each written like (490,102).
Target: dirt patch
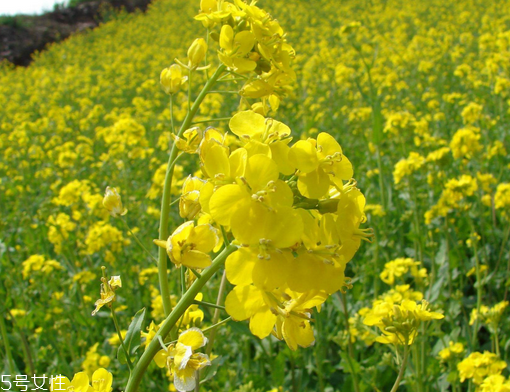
(23,35)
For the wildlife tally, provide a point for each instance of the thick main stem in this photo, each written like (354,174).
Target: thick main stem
(185,302)
(165,199)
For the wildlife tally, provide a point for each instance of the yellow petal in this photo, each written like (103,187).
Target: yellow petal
(225,201)
(282,195)
(244,65)
(343,169)
(102,380)
(314,185)
(80,382)
(243,301)
(193,337)
(227,38)
(160,358)
(327,145)
(262,322)
(303,155)
(244,42)
(284,228)
(238,162)
(249,222)
(280,154)
(269,274)
(255,147)
(204,237)
(247,124)
(297,332)
(196,259)
(260,170)
(239,267)
(216,161)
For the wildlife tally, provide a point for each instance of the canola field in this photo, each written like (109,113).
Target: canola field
(281,196)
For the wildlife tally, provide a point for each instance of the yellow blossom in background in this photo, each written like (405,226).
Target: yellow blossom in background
(171,79)
(477,366)
(399,323)
(406,167)
(465,143)
(398,267)
(495,383)
(113,203)
(454,350)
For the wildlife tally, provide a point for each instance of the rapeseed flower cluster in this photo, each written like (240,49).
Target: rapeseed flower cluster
(417,96)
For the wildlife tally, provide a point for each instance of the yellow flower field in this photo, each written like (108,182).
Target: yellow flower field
(282,196)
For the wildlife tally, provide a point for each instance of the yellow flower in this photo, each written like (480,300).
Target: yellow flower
(495,383)
(406,167)
(189,204)
(399,323)
(171,79)
(286,314)
(398,267)
(196,53)
(260,194)
(113,203)
(478,366)
(181,359)
(502,197)
(102,380)
(453,350)
(320,162)
(80,383)
(189,245)
(107,292)
(466,143)
(235,49)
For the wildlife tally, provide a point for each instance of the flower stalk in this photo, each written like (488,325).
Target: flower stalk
(172,319)
(165,199)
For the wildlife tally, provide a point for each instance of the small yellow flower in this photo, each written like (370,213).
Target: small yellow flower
(171,79)
(197,52)
(107,292)
(189,245)
(113,203)
(181,359)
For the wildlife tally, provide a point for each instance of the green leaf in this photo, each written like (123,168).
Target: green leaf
(132,339)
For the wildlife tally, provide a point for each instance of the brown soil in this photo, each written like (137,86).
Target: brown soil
(27,34)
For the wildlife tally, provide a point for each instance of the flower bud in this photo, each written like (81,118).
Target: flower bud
(197,52)
(171,79)
(113,203)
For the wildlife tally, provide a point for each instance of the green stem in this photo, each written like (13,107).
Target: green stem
(7,346)
(209,305)
(172,113)
(165,198)
(478,295)
(216,316)
(349,344)
(183,280)
(211,120)
(496,341)
(181,307)
(402,369)
(26,351)
(138,241)
(117,328)
(213,327)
